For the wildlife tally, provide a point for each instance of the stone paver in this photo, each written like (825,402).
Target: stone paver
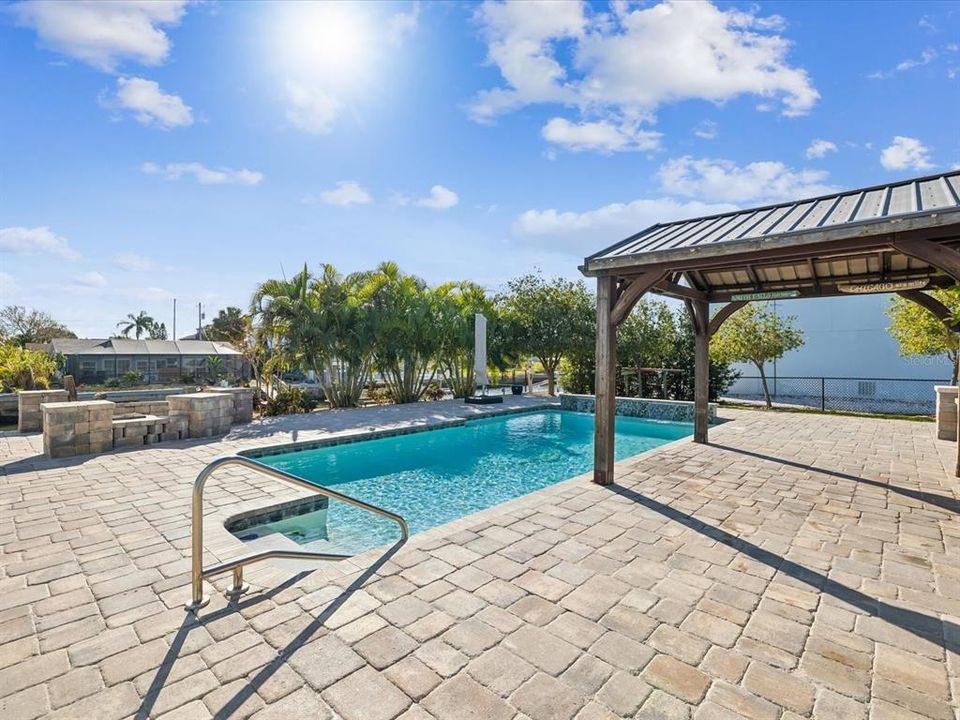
(797,567)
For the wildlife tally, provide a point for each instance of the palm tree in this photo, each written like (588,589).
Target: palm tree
(285,312)
(406,338)
(137,324)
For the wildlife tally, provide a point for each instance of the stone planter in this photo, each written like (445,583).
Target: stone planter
(77,428)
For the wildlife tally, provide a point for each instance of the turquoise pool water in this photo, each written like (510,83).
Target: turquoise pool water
(437,476)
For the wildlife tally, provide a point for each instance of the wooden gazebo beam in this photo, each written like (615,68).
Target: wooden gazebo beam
(934,306)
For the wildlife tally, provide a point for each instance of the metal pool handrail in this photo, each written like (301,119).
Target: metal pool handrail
(198,573)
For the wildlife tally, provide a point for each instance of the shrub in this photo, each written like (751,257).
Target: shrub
(289,401)
(380,395)
(577,372)
(113,382)
(131,377)
(433,391)
(22,369)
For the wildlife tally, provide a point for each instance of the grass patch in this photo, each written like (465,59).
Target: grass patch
(815,411)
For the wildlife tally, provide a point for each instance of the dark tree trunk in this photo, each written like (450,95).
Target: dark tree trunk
(763,382)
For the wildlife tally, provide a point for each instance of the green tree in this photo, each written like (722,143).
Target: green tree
(140,324)
(21,326)
(919,333)
(457,305)
(228,326)
(680,385)
(345,334)
(323,324)
(755,334)
(646,338)
(548,319)
(406,340)
(157,331)
(285,312)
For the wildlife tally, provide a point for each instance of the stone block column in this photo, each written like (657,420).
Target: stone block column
(77,428)
(208,413)
(242,403)
(30,417)
(947,411)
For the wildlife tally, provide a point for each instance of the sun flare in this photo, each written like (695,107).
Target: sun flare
(332,41)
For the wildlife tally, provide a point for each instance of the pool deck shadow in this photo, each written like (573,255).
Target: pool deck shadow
(927,627)
(941,501)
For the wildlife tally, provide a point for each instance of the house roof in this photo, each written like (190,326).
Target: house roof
(910,205)
(127,346)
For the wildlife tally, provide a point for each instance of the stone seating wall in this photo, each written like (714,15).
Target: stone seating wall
(147,431)
(30,416)
(77,428)
(208,413)
(80,428)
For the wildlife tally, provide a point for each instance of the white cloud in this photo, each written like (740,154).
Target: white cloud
(926,57)
(706,130)
(103,34)
(402,25)
(132,262)
(203,175)
(725,181)
(626,64)
(904,153)
(310,108)
(91,279)
(346,193)
(582,232)
(440,198)
(34,241)
(819,148)
(602,136)
(149,104)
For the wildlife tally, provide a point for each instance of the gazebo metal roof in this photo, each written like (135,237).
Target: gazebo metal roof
(820,246)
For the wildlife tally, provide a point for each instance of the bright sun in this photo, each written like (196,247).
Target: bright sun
(329,41)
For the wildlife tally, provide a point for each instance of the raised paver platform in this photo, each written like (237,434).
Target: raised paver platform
(801,566)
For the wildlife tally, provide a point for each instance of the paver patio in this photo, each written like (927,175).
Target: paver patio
(799,566)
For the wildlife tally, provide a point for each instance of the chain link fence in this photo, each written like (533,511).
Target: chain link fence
(891,396)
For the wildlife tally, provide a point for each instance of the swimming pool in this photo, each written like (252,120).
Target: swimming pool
(436,476)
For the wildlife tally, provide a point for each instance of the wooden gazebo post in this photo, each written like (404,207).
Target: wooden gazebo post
(700,312)
(606,381)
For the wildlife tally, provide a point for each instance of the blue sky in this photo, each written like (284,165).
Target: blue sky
(190,150)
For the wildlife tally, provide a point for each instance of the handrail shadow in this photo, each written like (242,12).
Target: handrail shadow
(191,621)
(948,504)
(924,626)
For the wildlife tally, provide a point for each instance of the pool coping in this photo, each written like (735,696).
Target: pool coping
(228,546)
(352,436)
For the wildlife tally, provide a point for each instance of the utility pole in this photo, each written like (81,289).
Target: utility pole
(199,321)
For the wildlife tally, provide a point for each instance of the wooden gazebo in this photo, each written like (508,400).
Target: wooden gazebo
(903,237)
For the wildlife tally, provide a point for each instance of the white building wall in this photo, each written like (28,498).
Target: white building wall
(848,337)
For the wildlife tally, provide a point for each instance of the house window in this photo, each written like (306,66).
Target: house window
(123,365)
